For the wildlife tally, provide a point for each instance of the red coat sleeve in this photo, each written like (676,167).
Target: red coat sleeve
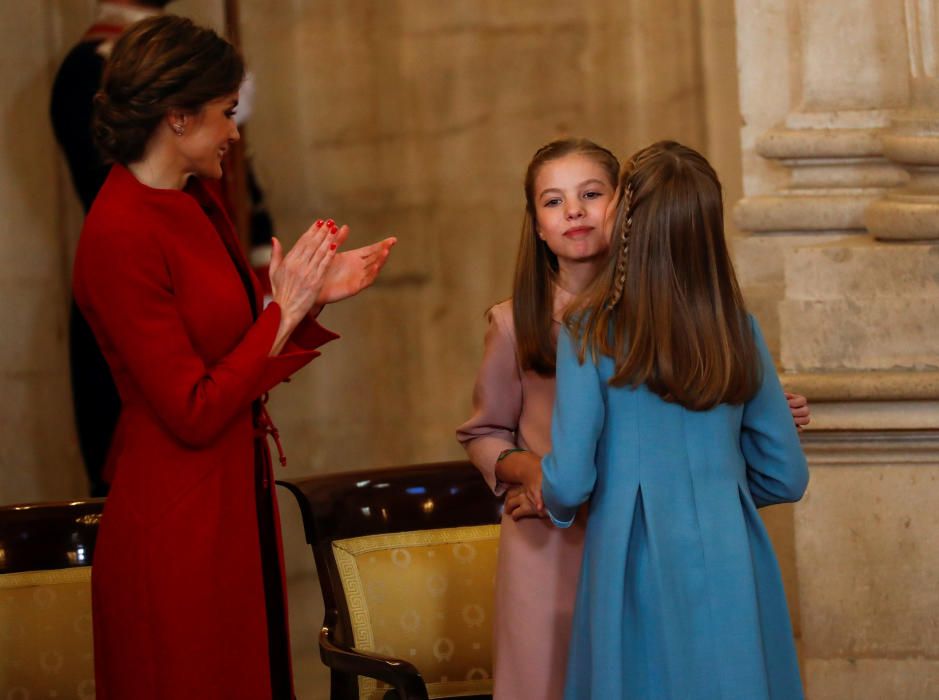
(124,287)
(298,350)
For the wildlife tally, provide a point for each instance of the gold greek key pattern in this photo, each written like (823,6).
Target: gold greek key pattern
(354,589)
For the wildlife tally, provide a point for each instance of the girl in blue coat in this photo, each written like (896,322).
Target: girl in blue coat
(670,419)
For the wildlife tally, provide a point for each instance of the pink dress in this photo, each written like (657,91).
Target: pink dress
(539,564)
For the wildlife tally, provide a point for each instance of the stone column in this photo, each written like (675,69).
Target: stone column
(841,119)
(911,212)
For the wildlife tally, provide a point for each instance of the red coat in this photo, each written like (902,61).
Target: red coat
(178,586)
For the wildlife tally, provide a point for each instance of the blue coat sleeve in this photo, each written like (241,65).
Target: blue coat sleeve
(569,470)
(777,471)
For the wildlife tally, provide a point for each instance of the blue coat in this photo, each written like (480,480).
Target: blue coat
(680,594)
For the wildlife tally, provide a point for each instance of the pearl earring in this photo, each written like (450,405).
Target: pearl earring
(178,128)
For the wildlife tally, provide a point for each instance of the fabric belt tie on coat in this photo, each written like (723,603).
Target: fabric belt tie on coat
(264,426)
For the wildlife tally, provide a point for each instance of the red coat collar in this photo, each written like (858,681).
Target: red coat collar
(205,195)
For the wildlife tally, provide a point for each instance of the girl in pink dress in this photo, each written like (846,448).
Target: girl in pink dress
(569,187)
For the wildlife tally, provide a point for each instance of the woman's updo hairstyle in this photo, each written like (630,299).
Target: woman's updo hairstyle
(157,65)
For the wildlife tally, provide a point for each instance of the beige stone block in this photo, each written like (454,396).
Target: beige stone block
(867,560)
(866,386)
(862,269)
(871,679)
(872,414)
(763,302)
(763,49)
(820,144)
(851,55)
(835,210)
(875,174)
(840,297)
(905,216)
(759,265)
(853,334)
(760,259)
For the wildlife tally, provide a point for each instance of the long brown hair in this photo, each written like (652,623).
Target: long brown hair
(536,267)
(667,308)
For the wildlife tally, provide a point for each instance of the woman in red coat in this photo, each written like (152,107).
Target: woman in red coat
(188,593)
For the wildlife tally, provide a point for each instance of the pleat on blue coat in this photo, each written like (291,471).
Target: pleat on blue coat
(680,594)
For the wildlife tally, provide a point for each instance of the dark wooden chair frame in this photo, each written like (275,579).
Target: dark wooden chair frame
(352,504)
(43,536)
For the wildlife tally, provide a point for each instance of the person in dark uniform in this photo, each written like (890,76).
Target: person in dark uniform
(94,396)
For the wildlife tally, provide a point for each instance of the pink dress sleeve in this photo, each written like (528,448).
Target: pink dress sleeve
(497,399)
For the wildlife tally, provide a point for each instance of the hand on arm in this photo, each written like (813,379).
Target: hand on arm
(799,405)
(518,505)
(523,469)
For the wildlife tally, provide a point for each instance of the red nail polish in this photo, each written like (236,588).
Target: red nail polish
(330,223)
(333,230)
(319,222)
(332,246)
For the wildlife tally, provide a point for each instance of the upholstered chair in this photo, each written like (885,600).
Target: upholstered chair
(406,559)
(45,599)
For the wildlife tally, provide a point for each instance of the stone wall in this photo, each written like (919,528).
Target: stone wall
(839,154)
(38,449)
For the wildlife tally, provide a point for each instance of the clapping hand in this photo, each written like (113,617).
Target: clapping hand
(297,277)
(354,270)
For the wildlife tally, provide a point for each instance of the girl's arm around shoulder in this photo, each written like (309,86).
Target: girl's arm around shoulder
(497,399)
(569,471)
(777,471)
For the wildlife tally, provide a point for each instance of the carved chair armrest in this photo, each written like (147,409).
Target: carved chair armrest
(405,678)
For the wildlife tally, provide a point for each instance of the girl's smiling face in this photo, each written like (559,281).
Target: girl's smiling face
(572,194)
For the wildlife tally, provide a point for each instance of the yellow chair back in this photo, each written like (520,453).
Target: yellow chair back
(425,596)
(46,647)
